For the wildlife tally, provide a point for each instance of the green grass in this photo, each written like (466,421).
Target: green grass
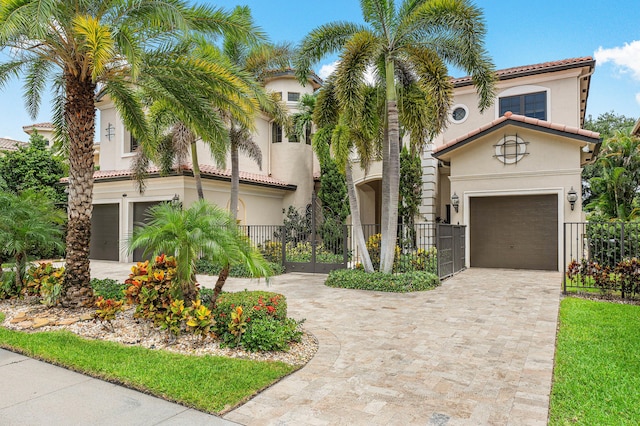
(597,371)
(208,383)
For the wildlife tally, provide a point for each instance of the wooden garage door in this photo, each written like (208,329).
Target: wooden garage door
(516,232)
(105,226)
(140,216)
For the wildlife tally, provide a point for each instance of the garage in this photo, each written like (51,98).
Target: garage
(139,217)
(104,232)
(515,232)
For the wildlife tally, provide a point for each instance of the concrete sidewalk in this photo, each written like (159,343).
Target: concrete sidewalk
(37,393)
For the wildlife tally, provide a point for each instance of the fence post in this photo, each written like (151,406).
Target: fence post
(438,255)
(621,241)
(345,244)
(283,231)
(564,258)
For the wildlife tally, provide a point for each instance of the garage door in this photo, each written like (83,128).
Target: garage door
(516,232)
(105,226)
(140,216)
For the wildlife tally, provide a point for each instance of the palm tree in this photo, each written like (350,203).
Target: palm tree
(29,222)
(81,46)
(201,230)
(408,46)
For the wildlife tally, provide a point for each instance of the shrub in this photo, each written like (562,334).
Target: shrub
(108,288)
(150,288)
(418,260)
(271,251)
(269,334)
(43,273)
(399,283)
(609,241)
(106,310)
(208,267)
(373,246)
(627,276)
(200,319)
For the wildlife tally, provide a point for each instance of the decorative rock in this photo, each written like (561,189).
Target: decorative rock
(86,317)
(41,322)
(68,321)
(25,324)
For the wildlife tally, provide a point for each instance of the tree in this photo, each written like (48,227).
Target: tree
(409,47)
(36,168)
(410,191)
(80,46)
(615,189)
(29,222)
(202,230)
(607,124)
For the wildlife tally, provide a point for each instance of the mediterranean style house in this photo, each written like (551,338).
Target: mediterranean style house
(511,174)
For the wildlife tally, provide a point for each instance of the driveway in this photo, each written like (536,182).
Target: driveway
(477,350)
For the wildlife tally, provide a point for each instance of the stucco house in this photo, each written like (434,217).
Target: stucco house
(286,177)
(511,174)
(7,144)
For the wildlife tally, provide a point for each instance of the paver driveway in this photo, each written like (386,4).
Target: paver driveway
(478,350)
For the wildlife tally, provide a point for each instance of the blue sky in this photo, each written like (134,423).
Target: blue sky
(519,33)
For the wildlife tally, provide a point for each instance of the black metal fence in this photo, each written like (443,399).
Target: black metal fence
(438,248)
(593,248)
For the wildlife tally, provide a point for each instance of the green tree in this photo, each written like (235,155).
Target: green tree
(80,46)
(615,188)
(409,47)
(202,230)
(607,124)
(29,222)
(36,168)
(410,191)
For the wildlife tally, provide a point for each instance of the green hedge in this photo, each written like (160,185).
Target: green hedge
(207,267)
(397,283)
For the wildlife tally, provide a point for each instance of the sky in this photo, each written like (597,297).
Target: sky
(519,32)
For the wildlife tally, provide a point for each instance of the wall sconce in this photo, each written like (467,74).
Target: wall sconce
(455,201)
(111,132)
(572,197)
(175,200)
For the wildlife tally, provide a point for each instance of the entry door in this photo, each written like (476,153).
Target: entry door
(514,232)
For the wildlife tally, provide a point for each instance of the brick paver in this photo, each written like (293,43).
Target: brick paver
(478,350)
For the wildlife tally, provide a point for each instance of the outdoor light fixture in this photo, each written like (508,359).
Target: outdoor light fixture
(455,201)
(110,131)
(572,197)
(175,199)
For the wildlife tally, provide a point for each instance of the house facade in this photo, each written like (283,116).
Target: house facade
(286,177)
(511,174)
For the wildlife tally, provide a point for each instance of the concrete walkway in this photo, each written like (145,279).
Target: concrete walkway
(478,350)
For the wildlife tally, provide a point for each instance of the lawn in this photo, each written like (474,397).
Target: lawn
(208,383)
(597,370)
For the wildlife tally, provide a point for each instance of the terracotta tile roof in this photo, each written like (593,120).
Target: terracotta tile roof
(518,119)
(7,144)
(38,125)
(205,170)
(524,70)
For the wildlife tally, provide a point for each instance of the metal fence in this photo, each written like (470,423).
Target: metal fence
(593,246)
(437,248)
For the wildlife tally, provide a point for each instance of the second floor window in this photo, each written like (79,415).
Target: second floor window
(276,133)
(532,105)
(293,96)
(133,143)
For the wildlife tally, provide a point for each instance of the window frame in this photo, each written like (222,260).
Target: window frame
(522,91)
(276,133)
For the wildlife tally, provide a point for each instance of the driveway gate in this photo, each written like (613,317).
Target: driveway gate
(450,244)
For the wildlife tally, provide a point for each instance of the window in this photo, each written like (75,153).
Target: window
(133,143)
(459,114)
(293,96)
(293,137)
(307,134)
(532,105)
(276,133)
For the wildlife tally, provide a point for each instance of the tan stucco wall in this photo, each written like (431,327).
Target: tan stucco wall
(258,205)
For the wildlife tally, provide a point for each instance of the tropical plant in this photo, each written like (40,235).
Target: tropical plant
(408,47)
(83,46)
(202,230)
(614,190)
(29,222)
(410,193)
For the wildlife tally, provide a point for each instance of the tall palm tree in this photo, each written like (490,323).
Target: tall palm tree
(202,229)
(407,45)
(81,46)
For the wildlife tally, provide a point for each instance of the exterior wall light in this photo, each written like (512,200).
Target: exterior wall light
(455,201)
(572,197)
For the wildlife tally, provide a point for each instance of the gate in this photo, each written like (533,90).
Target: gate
(450,245)
(315,241)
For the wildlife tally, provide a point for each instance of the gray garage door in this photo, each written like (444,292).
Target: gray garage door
(516,232)
(140,216)
(104,232)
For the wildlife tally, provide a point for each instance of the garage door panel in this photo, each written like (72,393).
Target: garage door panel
(105,227)
(140,216)
(517,232)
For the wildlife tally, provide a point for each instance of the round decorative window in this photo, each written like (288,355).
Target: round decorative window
(511,149)
(459,113)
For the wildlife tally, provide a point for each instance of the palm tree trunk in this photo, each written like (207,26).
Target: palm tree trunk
(358,235)
(79,111)
(222,278)
(235,180)
(391,175)
(196,170)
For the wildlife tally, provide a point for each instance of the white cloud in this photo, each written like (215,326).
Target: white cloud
(626,58)
(326,70)
(638,98)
